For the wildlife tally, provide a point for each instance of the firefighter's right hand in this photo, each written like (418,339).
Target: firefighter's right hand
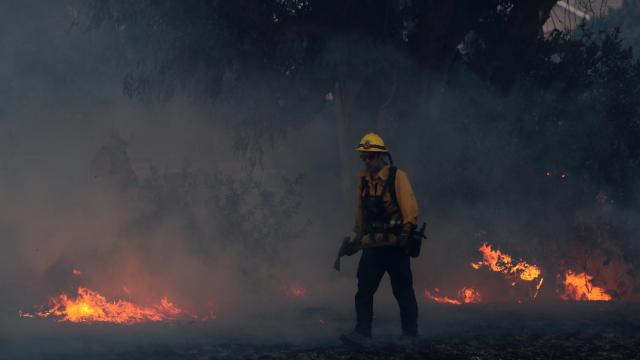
(352,246)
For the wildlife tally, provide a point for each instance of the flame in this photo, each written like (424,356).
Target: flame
(466,295)
(76,272)
(469,295)
(503,263)
(578,287)
(440,299)
(90,306)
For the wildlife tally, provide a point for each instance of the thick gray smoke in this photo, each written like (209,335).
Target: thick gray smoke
(177,199)
(148,200)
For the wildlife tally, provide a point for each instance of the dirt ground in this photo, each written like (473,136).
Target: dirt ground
(555,331)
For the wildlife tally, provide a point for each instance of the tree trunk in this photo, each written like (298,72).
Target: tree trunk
(382,111)
(342,151)
(514,49)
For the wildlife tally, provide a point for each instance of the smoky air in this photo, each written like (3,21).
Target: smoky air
(176,179)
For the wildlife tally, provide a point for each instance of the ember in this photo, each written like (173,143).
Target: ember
(578,287)
(89,306)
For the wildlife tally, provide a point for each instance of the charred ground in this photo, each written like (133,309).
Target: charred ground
(224,173)
(561,331)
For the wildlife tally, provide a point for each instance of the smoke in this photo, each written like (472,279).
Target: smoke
(145,200)
(222,207)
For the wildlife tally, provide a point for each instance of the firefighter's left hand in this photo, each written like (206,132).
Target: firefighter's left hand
(405,234)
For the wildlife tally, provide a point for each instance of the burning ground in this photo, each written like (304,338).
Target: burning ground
(583,321)
(136,227)
(561,331)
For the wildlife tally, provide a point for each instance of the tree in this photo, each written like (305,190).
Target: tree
(518,105)
(208,38)
(626,18)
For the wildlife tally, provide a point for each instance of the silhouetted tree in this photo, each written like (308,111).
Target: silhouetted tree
(201,41)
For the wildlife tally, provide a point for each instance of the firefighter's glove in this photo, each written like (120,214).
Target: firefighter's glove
(405,235)
(352,246)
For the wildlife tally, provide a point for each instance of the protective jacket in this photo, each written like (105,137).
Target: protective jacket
(382,209)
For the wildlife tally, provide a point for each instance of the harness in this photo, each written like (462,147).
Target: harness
(377,218)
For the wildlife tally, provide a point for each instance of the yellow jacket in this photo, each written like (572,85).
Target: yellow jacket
(406,202)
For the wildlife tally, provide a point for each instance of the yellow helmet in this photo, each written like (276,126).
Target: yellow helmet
(372,142)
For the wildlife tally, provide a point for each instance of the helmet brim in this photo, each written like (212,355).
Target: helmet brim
(371,149)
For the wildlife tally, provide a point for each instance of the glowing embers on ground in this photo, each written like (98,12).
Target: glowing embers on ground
(89,306)
(466,295)
(516,271)
(578,287)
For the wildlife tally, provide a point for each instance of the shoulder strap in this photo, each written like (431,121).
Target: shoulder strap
(390,184)
(364,187)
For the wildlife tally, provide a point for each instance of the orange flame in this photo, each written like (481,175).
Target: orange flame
(440,299)
(90,306)
(503,263)
(578,287)
(469,295)
(466,295)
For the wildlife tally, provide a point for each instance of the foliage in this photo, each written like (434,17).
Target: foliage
(274,60)
(584,92)
(627,19)
(220,213)
(564,105)
(202,41)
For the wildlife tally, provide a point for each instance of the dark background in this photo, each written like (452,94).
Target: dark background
(203,150)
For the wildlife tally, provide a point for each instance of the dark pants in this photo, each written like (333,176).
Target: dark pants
(374,262)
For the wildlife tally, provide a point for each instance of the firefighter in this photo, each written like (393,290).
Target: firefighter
(386,217)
